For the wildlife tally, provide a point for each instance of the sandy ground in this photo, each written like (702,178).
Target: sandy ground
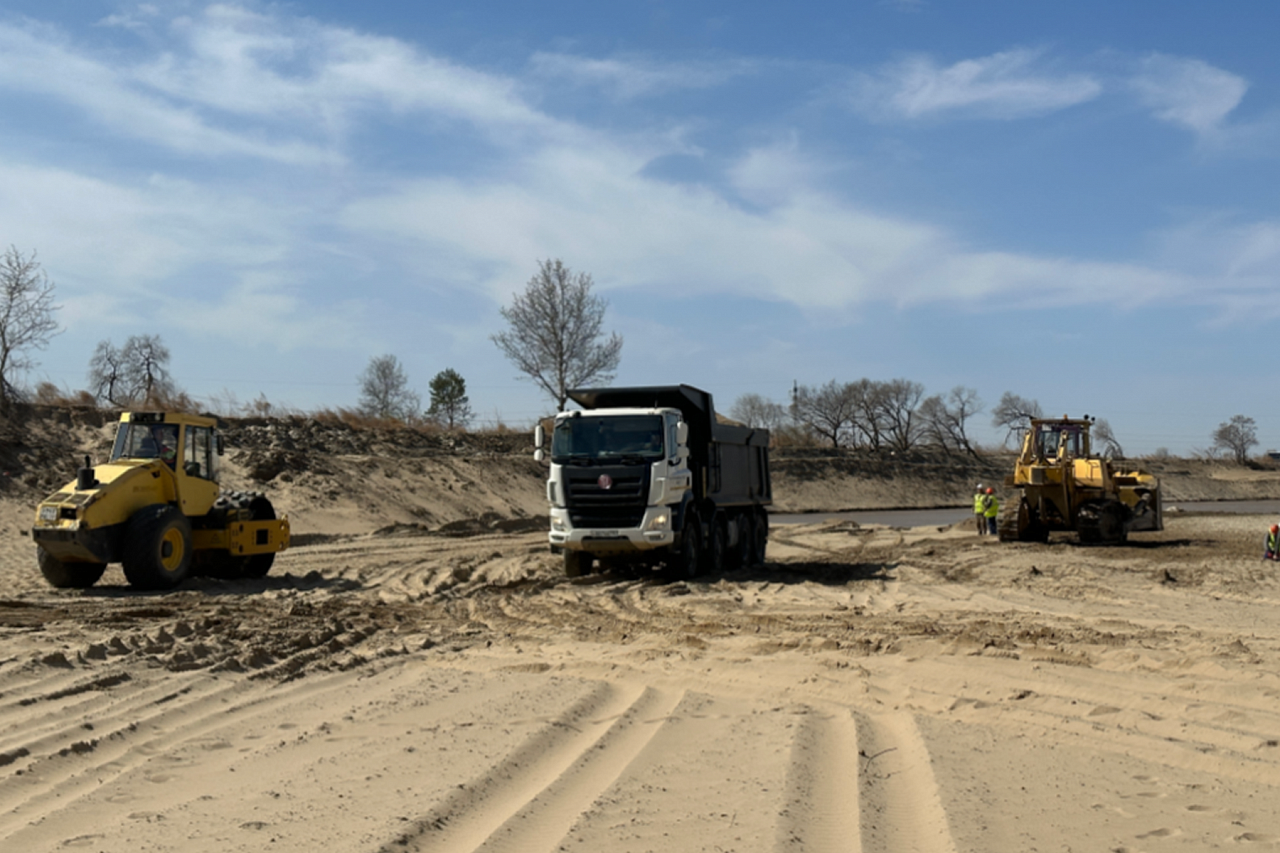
(868,689)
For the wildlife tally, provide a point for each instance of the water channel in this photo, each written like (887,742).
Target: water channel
(946,516)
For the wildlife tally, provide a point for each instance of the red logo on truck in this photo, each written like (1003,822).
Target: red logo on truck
(605,481)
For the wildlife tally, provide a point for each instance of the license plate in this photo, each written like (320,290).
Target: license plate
(605,533)
(48,513)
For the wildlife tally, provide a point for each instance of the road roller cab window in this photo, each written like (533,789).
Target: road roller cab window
(198,452)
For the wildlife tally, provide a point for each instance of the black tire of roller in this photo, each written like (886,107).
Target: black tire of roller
(67,575)
(227,566)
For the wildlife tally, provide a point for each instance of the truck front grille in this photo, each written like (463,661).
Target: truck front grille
(620,505)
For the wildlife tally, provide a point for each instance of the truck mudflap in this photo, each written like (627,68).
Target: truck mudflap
(245,538)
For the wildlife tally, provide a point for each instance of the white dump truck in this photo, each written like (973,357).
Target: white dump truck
(649,476)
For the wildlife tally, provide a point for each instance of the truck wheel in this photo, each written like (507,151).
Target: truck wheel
(713,554)
(576,563)
(760,529)
(738,555)
(68,575)
(157,548)
(684,561)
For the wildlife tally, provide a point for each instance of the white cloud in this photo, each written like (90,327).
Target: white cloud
(631,77)
(36,63)
(1188,92)
(807,248)
(1003,85)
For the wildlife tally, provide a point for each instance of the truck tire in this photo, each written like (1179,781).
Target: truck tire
(576,563)
(761,541)
(713,553)
(738,555)
(68,575)
(157,547)
(685,558)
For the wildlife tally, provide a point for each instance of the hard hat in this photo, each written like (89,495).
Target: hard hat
(991,491)
(979,487)
(1275,528)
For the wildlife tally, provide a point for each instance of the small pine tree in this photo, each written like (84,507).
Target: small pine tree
(450,406)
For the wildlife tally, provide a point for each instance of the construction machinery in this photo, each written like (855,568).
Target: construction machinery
(1065,486)
(649,475)
(156,508)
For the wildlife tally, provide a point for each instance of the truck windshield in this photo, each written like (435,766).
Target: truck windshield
(607,438)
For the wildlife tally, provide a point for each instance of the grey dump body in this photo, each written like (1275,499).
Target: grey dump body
(730,464)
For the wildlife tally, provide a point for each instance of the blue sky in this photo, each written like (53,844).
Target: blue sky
(1073,202)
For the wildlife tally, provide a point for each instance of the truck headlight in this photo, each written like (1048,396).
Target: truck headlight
(658,522)
(48,513)
(557,525)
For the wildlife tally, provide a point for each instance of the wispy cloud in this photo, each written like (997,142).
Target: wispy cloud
(631,77)
(1004,85)
(1188,92)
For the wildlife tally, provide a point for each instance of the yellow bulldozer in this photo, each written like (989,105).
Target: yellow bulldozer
(156,509)
(1065,486)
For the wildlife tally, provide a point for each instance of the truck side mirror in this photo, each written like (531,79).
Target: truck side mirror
(539,435)
(682,434)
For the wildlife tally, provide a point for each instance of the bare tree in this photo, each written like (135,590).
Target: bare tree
(384,390)
(1105,438)
(1236,436)
(109,380)
(827,411)
(147,359)
(450,405)
(756,411)
(136,373)
(1014,413)
(26,317)
(943,421)
(555,332)
(868,426)
(895,407)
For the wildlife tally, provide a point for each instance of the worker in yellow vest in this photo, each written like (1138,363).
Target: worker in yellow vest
(978,513)
(1273,543)
(991,509)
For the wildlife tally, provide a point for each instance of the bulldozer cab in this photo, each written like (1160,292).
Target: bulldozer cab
(1056,440)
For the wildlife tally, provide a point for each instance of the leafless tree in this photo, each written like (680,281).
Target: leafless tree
(827,411)
(136,373)
(1104,439)
(943,420)
(109,379)
(384,391)
(1014,413)
(895,407)
(26,318)
(757,411)
(1236,436)
(555,332)
(148,361)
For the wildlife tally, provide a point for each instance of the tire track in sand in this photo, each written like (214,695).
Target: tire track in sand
(901,809)
(530,801)
(822,809)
